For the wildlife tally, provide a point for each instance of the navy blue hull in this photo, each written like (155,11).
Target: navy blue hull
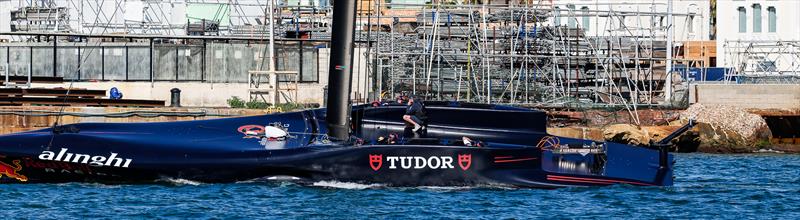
(517,151)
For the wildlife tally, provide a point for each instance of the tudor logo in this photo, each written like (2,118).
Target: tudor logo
(375,161)
(464,161)
(417,162)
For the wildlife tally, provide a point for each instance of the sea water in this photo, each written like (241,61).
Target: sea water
(755,186)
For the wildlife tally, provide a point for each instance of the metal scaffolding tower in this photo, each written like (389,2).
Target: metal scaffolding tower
(763,61)
(514,54)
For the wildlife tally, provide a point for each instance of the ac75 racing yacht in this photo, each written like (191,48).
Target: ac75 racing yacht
(361,144)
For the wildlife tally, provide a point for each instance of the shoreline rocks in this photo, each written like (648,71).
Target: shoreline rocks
(626,133)
(719,129)
(727,129)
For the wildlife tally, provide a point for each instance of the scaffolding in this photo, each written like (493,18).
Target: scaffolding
(528,52)
(240,18)
(512,54)
(763,61)
(40,18)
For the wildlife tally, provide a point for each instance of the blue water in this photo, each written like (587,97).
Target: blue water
(754,186)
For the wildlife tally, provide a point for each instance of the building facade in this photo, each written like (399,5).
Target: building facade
(758,37)
(635,17)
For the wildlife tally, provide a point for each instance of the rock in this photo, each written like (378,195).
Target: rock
(685,143)
(626,134)
(658,133)
(726,129)
(721,140)
(719,129)
(594,134)
(630,134)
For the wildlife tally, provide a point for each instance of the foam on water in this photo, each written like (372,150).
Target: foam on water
(345,185)
(179,181)
(271,179)
(769,151)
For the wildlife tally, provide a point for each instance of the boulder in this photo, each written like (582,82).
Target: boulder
(626,134)
(726,129)
(594,134)
(632,135)
(657,133)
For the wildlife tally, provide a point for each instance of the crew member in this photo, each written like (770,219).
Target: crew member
(415,116)
(401,98)
(471,143)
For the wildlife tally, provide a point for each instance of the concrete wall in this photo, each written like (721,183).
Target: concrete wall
(754,96)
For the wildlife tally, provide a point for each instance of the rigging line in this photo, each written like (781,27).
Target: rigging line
(77,71)
(434,37)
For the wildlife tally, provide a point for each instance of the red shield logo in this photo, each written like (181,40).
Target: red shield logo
(464,161)
(375,161)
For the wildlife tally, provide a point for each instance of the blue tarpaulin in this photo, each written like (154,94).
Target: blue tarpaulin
(701,74)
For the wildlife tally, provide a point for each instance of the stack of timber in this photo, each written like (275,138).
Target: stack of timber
(67,97)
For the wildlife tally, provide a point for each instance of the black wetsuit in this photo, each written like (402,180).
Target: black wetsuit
(418,114)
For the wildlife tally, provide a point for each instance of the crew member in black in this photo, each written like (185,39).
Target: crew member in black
(415,115)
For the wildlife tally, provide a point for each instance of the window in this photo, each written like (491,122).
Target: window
(585,21)
(756,18)
(690,23)
(557,16)
(742,20)
(772,19)
(572,22)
